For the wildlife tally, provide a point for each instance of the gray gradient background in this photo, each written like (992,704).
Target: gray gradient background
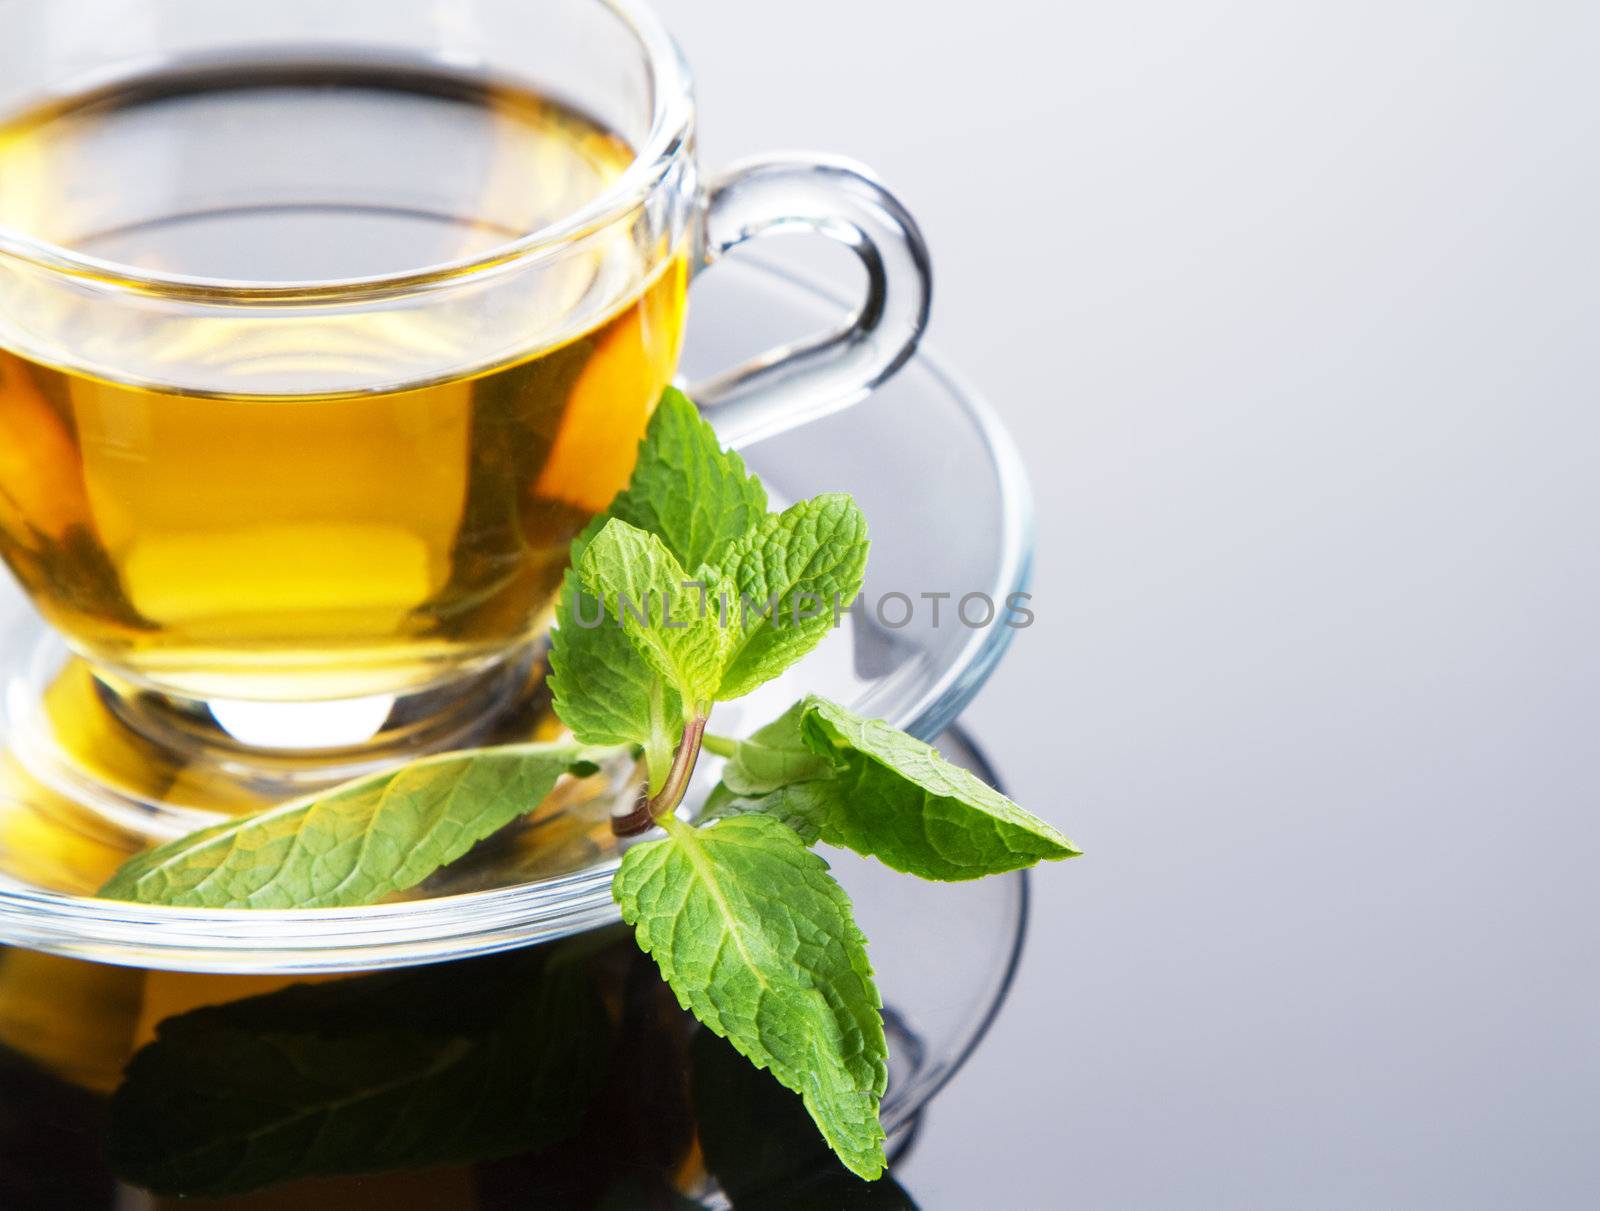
(1290,306)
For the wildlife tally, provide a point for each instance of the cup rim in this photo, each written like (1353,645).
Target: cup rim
(671,120)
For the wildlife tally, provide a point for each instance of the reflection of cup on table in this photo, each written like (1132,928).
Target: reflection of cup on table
(324,328)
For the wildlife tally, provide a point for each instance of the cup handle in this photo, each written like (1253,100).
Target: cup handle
(799,383)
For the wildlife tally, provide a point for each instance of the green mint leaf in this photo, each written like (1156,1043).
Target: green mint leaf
(790,574)
(895,798)
(803,807)
(776,756)
(760,1146)
(674,625)
(353,844)
(604,690)
(404,1070)
(695,497)
(686,490)
(758,942)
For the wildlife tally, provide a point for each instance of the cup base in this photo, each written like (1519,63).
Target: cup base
(161,766)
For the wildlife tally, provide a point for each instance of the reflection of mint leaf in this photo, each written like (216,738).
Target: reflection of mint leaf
(354,844)
(403,1070)
(51,1127)
(645,587)
(602,686)
(686,490)
(791,574)
(895,798)
(775,756)
(757,940)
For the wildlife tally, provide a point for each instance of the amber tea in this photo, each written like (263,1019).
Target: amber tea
(333,502)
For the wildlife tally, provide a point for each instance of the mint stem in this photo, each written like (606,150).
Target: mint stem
(658,748)
(650,808)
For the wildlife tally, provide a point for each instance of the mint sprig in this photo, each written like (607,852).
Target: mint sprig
(687,592)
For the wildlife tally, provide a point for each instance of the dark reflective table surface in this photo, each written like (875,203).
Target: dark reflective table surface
(561,1076)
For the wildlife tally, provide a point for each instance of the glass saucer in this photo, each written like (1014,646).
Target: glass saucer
(438,1085)
(905,654)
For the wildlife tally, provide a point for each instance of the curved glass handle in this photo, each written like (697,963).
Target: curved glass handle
(795,384)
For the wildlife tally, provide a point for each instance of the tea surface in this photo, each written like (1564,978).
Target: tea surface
(299,544)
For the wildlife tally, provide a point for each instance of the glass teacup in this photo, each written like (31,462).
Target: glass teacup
(325,327)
